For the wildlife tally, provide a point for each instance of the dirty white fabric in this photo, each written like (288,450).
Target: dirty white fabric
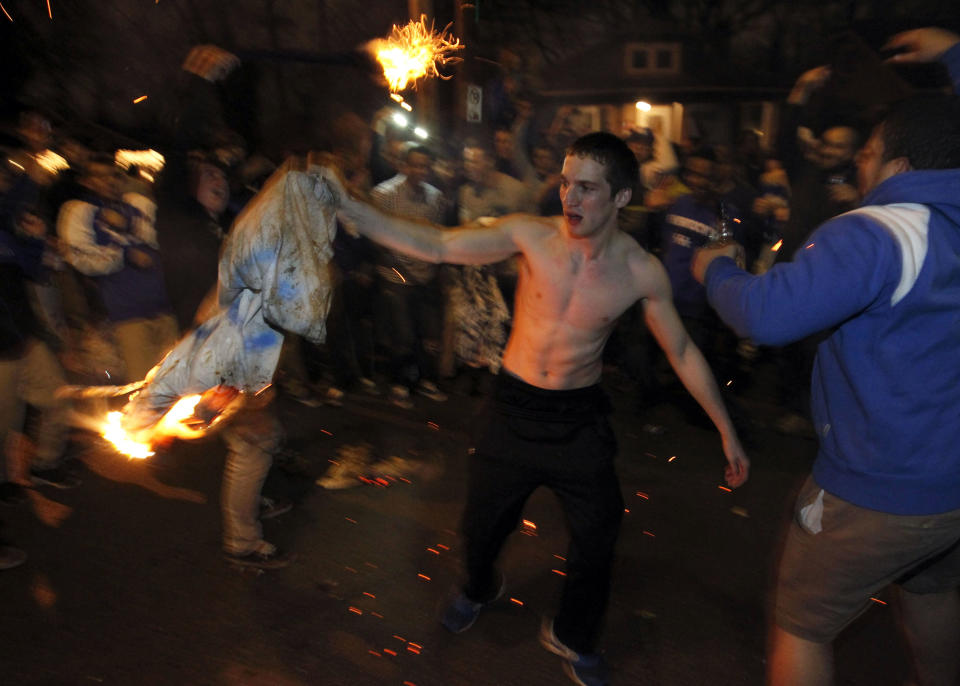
(274,277)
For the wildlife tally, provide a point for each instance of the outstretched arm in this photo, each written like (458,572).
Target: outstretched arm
(688,362)
(426,241)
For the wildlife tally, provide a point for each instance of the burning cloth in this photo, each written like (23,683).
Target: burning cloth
(273,277)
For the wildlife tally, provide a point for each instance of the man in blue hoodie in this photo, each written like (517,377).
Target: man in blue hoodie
(883,503)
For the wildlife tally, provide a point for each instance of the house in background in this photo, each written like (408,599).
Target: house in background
(666,83)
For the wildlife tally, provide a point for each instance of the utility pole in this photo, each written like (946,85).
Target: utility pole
(426,112)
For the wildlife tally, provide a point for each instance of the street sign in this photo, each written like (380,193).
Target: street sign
(474,103)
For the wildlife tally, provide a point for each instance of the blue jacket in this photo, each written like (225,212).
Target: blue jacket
(885,279)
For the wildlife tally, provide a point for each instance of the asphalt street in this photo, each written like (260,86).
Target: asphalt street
(125,583)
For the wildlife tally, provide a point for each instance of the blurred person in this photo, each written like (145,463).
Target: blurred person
(475,327)
(505,151)
(30,373)
(411,307)
(823,185)
(190,233)
(690,223)
(546,424)
(882,505)
(191,238)
(111,237)
(350,322)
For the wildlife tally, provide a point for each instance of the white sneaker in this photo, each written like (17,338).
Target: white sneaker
(346,470)
(400,396)
(428,389)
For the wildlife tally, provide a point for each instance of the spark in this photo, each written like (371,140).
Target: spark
(355,610)
(878,601)
(810,246)
(352,521)
(396,97)
(517,602)
(368,594)
(558,572)
(400,638)
(377,615)
(5,12)
(374,653)
(776,246)
(641,494)
(529,524)
(16,164)
(324,431)
(415,651)
(137,101)
(351,569)
(435,552)
(724,488)
(49,11)
(626,510)
(442,546)
(390,652)
(395,271)
(406,106)
(413,52)
(560,557)
(650,534)
(434,426)
(672,458)
(424,577)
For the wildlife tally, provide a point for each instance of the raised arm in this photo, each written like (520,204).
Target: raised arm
(692,369)
(430,242)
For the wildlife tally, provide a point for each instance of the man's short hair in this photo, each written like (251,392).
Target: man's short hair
(417,149)
(611,152)
(477,144)
(925,130)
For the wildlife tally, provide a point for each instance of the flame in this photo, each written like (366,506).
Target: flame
(114,432)
(776,246)
(413,52)
(170,426)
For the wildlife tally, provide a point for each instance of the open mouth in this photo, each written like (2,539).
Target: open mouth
(573,218)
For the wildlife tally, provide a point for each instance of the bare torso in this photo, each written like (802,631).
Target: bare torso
(567,304)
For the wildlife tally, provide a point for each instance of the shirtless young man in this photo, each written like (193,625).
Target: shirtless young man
(547,425)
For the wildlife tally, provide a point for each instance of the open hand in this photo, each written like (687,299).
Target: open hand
(921,45)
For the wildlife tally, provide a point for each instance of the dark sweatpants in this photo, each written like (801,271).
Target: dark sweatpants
(530,437)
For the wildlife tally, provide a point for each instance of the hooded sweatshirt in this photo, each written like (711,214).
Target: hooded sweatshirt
(885,393)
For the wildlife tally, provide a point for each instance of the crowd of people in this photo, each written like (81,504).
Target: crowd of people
(503,269)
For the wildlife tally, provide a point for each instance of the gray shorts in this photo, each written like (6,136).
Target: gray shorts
(838,555)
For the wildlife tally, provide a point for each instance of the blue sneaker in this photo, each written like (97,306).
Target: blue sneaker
(586,670)
(461,614)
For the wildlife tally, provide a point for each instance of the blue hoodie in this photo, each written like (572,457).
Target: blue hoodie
(885,279)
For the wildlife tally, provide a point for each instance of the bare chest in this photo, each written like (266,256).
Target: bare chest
(582,295)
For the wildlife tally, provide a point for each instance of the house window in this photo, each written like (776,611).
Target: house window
(649,59)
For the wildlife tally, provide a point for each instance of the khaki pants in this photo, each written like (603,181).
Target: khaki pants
(143,342)
(32,379)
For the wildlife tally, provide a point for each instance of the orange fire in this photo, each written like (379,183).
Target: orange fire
(413,52)
(191,417)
